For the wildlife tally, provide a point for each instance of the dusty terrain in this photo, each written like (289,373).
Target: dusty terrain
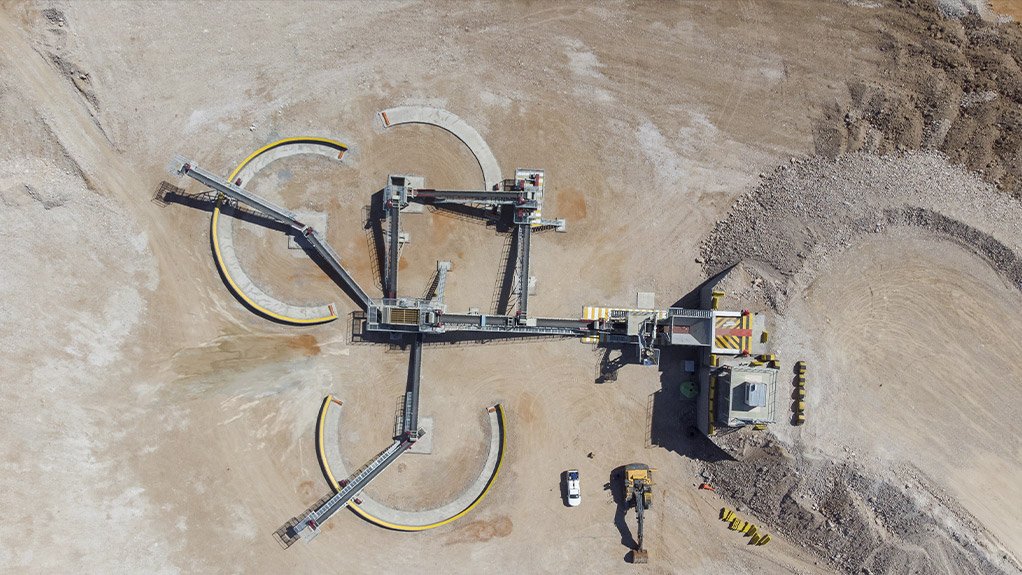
(153,424)
(885,289)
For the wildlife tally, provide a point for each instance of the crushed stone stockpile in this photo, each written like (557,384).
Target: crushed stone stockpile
(808,210)
(950,81)
(778,235)
(854,522)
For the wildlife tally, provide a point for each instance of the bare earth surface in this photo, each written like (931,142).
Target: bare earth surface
(885,274)
(153,424)
(903,312)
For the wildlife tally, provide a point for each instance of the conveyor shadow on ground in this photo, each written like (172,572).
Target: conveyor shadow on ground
(430,291)
(168,193)
(325,267)
(467,338)
(374,218)
(501,222)
(613,358)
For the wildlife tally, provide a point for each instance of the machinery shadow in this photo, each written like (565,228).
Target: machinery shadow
(506,276)
(471,214)
(617,492)
(672,424)
(374,218)
(671,417)
(614,357)
(693,299)
(564,488)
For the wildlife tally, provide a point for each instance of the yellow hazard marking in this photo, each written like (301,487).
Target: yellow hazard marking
(321,425)
(341,148)
(593,313)
(735,342)
(218,257)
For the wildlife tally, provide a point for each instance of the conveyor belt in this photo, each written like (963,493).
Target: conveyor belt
(328,254)
(509,324)
(471,196)
(574,324)
(276,212)
(355,484)
(237,193)
(393,250)
(410,419)
(524,244)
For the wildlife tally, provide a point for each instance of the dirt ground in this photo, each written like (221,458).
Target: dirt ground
(932,304)
(886,289)
(153,424)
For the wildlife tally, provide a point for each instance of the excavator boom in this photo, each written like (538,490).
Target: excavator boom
(638,484)
(639,554)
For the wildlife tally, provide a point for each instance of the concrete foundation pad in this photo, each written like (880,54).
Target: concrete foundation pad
(424,445)
(453,124)
(229,263)
(645,300)
(317,220)
(532,286)
(222,230)
(329,426)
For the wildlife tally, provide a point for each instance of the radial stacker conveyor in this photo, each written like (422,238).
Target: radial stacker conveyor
(415,319)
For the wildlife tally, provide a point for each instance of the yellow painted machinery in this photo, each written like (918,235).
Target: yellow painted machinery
(638,488)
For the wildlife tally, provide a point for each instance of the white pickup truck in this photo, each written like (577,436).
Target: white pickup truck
(574,490)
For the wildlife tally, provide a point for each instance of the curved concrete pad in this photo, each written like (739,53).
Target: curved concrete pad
(328,441)
(222,233)
(453,124)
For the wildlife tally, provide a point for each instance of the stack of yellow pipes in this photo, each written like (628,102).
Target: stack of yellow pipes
(800,390)
(744,527)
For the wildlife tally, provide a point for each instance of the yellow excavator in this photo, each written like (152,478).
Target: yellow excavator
(638,488)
